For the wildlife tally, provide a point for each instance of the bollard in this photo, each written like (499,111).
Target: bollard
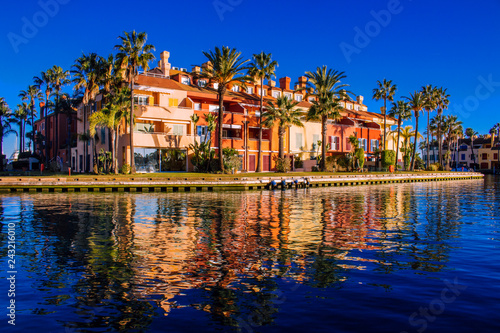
(69,172)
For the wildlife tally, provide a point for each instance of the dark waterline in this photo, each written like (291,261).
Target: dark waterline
(390,258)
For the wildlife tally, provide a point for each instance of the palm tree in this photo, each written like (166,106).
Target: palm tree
(406,134)
(112,116)
(5,129)
(385,91)
(401,111)
(325,85)
(442,101)
(20,116)
(416,102)
(282,112)
(453,129)
(45,80)
(262,68)
(429,93)
(32,93)
(58,78)
(133,53)
(69,106)
(471,134)
(226,66)
(87,75)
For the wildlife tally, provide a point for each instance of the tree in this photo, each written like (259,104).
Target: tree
(133,53)
(58,79)
(69,106)
(471,134)
(442,101)
(429,93)
(325,85)
(453,130)
(385,91)
(416,102)
(5,128)
(401,111)
(282,112)
(406,134)
(226,66)
(262,68)
(112,116)
(45,80)
(30,94)
(20,116)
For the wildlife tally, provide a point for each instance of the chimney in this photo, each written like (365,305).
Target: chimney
(207,64)
(285,83)
(359,99)
(196,69)
(302,82)
(164,64)
(272,83)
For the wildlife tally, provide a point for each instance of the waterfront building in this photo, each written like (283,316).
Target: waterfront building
(167,97)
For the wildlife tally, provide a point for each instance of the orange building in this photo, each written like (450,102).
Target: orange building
(168,98)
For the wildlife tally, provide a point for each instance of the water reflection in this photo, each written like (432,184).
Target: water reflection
(124,261)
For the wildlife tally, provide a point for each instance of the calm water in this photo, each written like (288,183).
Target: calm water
(389,258)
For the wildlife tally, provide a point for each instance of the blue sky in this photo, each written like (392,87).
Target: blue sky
(454,44)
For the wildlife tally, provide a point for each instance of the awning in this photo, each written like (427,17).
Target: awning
(153,89)
(231,126)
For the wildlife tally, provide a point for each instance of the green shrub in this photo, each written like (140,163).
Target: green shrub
(388,157)
(360,156)
(435,167)
(330,163)
(125,169)
(406,161)
(231,159)
(298,163)
(282,164)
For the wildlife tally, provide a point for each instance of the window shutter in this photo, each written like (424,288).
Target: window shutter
(151,100)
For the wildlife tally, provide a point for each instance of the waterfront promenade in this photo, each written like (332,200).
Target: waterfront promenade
(211,182)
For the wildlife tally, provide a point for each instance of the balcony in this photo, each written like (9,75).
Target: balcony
(162,140)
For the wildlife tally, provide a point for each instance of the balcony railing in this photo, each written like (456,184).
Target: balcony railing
(161,76)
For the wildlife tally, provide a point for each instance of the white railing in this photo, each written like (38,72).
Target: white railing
(161,76)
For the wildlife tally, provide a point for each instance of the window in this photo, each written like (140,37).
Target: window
(356,107)
(485,156)
(250,90)
(349,106)
(186,80)
(347,144)
(236,89)
(253,133)
(315,141)
(298,98)
(144,127)
(362,144)
(276,94)
(173,102)
(202,83)
(216,86)
(288,95)
(202,132)
(334,142)
(262,92)
(495,156)
(43,126)
(342,105)
(311,99)
(463,157)
(177,129)
(103,135)
(298,140)
(197,106)
(141,100)
(212,107)
(373,145)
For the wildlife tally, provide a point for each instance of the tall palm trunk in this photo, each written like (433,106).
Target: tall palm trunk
(472,150)
(412,164)
(281,136)
(20,135)
(439,138)
(1,144)
(131,127)
(113,151)
(220,124)
(32,107)
(385,123)
(259,155)
(323,143)
(46,129)
(85,146)
(56,115)
(428,133)
(397,144)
